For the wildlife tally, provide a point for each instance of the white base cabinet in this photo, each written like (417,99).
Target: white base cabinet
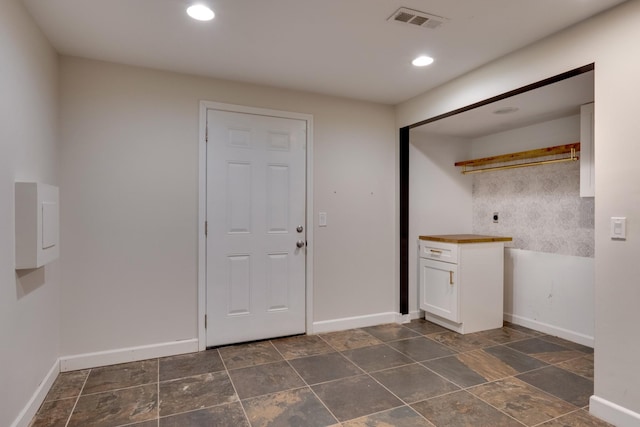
(461,284)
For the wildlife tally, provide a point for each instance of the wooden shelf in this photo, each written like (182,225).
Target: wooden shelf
(522,155)
(465,238)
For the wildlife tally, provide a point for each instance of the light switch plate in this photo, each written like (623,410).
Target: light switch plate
(322,219)
(618,227)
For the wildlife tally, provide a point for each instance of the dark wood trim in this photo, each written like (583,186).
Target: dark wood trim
(527,88)
(404,169)
(404,220)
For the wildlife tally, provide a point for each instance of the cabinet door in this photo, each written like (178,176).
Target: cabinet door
(439,289)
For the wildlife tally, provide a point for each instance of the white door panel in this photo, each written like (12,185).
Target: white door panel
(256,170)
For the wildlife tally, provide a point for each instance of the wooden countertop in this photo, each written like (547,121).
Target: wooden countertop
(465,238)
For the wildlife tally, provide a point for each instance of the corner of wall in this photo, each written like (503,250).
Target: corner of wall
(612,413)
(31,408)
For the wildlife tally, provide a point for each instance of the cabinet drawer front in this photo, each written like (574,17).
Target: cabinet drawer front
(439,289)
(439,251)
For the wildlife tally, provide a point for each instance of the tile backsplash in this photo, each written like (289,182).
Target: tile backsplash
(539,206)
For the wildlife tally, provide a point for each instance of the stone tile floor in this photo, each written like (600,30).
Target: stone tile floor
(417,374)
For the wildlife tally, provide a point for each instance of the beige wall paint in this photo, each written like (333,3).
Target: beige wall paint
(29,301)
(129,171)
(440,196)
(610,41)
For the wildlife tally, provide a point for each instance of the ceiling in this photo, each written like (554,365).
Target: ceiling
(560,99)
(336,47)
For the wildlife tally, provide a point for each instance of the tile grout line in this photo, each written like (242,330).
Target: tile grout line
(443,377)
(576,346)
(404,403)
(455,352)
(158,391)
(558,417)
(308,386)
(157,419)
(387,410)
(124,388)
(189,411)
(327,342)
(224,370)
(235,390)
(78,398)
(422,363)
(541,337)
(461,389)
(466,389)
(546,392)
(496,408)
(491,343)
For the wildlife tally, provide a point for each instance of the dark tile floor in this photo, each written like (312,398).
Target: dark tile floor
(417,374)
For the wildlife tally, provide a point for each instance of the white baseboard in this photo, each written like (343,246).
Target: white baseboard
(355,322)
(612,413)
(29,411)
(550,329)
(123,355)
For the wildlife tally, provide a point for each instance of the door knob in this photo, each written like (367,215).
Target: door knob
(299,229)
(300,243)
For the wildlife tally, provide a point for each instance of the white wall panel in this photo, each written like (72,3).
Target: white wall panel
(551,293)
(133,134)
(29,299)
(440,196)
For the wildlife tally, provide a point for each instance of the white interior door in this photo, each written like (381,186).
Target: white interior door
(256,239)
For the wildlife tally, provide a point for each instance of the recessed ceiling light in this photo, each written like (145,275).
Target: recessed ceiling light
(422,61)
(200,12)
(506,110)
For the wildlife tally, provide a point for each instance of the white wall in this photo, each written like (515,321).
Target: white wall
(564,130)
(29,301)
(439,195)
(540,207)
(549,266)
(129,169)
(551,293)
(609,40)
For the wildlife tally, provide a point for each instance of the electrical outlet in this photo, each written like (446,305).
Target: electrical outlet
(495,217)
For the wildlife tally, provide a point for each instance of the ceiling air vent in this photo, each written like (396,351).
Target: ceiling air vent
(417,18)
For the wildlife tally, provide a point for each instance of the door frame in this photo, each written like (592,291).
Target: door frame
(404,141)
(202,207)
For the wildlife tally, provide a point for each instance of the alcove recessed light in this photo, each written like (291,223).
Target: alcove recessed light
(422,61)
(200,12)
